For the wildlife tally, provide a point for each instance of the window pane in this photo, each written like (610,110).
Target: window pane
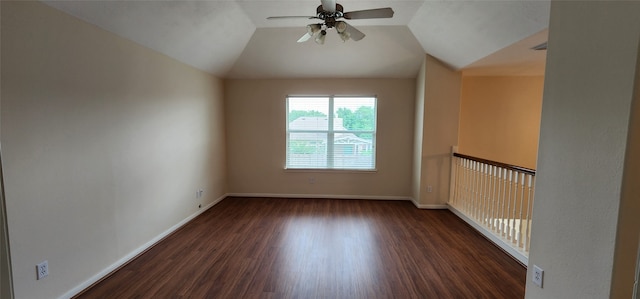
(308,113)
(307,150)
(352,152)
(355,114)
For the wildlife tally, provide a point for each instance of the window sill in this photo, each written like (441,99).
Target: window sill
(321,170)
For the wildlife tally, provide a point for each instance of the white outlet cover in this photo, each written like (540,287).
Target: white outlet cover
(42,270)
(538,275)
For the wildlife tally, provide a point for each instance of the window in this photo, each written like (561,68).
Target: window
(331,133)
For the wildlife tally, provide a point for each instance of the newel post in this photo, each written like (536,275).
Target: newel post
(452,176)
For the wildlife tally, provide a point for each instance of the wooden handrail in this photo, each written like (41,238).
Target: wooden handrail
(499,164)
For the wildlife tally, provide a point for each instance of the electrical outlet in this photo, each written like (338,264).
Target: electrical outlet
(538,275)
(42,270)
(429,189)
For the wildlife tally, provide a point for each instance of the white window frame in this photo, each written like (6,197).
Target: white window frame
(331,135)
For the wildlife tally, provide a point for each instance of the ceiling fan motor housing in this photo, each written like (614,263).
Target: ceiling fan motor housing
(328,17)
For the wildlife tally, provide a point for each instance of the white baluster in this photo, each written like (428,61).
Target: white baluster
(456,190)
(485,199)
(475,184)
(514,239)
(492,199)
(530,211)
(485,194)
(512,213)
(503,186)
(481,192)
(525,220)
(467,185)
(498,198)
(478,199)
(520,216)
(509,206)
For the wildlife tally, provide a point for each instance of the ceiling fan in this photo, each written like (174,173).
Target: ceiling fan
(330,13)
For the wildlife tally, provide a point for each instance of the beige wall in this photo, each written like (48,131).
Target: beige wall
(256,144)
(500,118)
(589,85)
(439,131)
(104,145)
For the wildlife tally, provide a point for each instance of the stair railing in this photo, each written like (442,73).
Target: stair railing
(497,197)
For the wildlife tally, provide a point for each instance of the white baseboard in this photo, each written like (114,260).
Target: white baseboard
(333,196)
(429,206)
(514,252)
(135,253)
(328,196)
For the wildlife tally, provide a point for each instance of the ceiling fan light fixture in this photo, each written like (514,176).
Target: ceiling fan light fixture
(321,36)
(345,36)
(313,28)
(341,26)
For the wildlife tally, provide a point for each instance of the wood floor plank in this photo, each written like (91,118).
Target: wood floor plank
(319,248)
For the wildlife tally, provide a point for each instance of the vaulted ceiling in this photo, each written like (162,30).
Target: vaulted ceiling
(234,39)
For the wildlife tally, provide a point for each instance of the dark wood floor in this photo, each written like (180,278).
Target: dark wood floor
(319,248)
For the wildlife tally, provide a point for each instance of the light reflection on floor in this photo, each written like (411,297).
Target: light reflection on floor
(336,253)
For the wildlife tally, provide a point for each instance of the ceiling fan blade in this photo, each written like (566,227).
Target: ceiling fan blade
(354,33)
(369,14)
(329,5)
(291,17)
(305,38)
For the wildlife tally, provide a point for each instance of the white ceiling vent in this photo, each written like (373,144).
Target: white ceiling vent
(540,47)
